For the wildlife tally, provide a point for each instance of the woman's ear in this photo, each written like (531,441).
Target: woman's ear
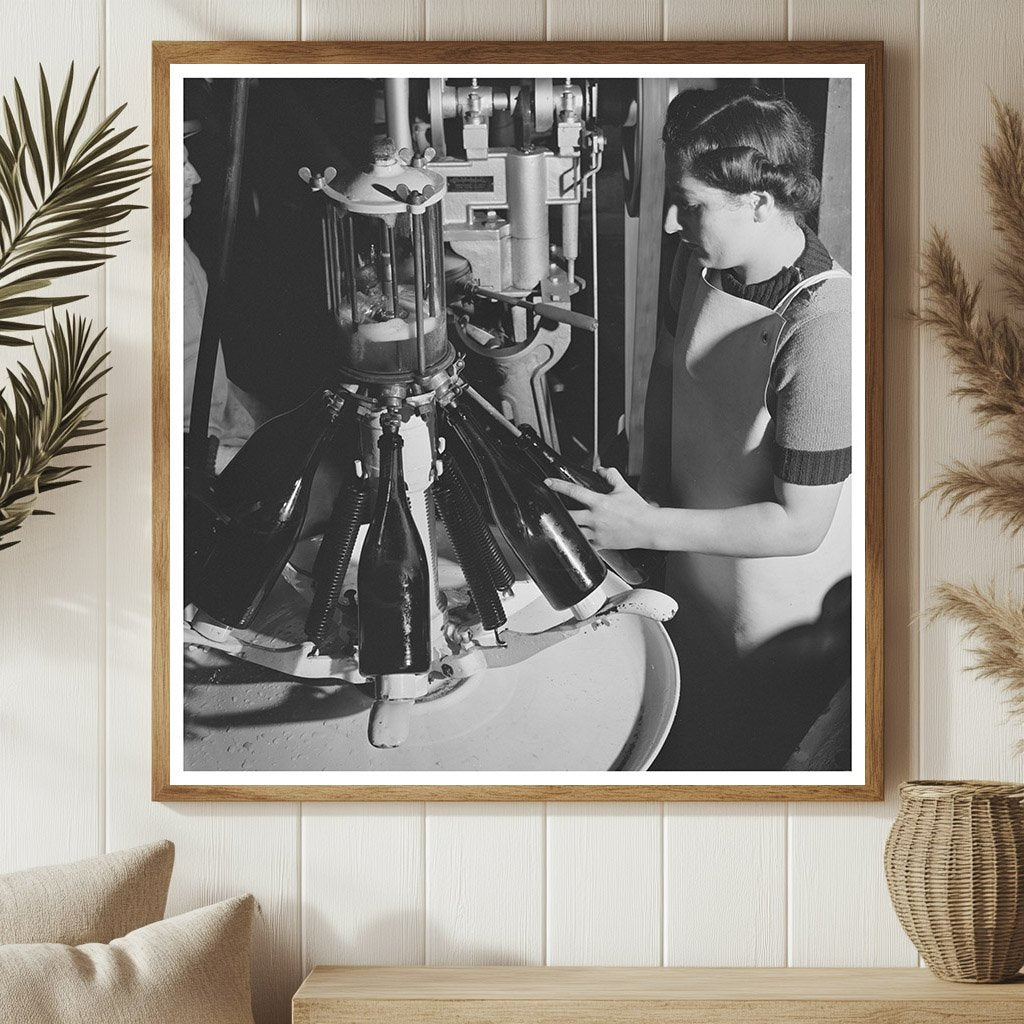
(763,204)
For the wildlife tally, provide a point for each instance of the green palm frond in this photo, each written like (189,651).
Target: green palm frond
(45,417)
(62,191)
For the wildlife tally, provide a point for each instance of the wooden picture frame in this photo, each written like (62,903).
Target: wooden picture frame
(862,62)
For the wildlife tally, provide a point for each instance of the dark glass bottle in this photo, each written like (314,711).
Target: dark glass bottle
(532,520)
(261,499)
(635,566)
(394,578)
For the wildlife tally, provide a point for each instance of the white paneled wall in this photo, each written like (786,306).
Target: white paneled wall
(739,884)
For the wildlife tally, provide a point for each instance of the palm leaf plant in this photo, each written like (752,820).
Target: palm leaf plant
(63,190)
(47,417)
(987,354)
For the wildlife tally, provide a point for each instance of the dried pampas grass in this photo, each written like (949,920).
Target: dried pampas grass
(987,353)
(995,627)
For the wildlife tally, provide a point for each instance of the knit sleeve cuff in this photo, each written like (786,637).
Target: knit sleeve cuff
(795,466)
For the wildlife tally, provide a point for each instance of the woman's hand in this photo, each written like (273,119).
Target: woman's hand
(618,520)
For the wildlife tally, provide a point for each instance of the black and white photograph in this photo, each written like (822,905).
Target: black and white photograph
(518,426)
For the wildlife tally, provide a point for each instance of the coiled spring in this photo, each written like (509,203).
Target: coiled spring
(351,509)
(482,562)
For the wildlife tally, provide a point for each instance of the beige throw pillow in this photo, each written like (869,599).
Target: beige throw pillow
(190,969)
(92,900)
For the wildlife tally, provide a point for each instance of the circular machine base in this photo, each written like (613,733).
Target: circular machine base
(600,700)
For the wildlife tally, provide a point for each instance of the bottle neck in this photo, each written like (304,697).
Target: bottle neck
(391,480)
(538,450)
(557,464)
(478,445)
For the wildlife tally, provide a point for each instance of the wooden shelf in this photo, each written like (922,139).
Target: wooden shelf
(631,995)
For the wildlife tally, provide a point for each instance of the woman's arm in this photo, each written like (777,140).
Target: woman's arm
(795,523)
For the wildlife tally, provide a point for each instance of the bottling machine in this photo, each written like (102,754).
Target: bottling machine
(449,303)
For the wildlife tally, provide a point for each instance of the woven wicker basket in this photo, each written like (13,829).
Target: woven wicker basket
(954,861)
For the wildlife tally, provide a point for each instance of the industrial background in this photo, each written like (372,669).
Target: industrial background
(732,884)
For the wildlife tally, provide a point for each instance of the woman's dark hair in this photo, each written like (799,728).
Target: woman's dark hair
(742,140)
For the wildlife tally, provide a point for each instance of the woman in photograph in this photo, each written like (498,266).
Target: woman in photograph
(747,438)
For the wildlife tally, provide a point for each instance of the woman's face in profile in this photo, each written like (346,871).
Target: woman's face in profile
(717,223)
(191,180)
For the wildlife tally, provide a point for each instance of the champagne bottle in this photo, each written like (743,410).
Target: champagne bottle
(634,566)
(261,499)
(394,578)
(532,520)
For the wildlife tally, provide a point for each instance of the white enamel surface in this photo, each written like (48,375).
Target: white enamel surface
(601,697)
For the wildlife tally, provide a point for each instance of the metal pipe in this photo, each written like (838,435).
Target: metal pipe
(347,229)
(396,105)
(527,191)
(336,259)
(492,411)
(431,242)
(394,269)
(571,237)
(327,263)
(383,268)
(332,258)
(417,261)
(543,309)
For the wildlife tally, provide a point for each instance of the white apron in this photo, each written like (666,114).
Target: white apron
(230,418)
(721,456)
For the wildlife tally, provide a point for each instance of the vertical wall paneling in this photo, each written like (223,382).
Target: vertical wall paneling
(485,883)
(484,19)
(836,851)
(384,19)
(737,19)
(51,582)
(222,849)
(362,884)
(578,19)
(725,885)
(604,884)
(966,50)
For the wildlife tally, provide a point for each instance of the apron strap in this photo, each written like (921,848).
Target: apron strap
(783,305)
(807,283)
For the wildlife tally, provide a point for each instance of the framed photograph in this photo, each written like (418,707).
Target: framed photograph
(517,421)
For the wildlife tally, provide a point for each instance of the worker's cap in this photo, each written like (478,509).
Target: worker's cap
(192,126)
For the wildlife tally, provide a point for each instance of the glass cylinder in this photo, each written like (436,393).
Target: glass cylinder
(385,288)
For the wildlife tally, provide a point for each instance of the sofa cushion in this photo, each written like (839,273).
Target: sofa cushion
(92,900)
(190,969)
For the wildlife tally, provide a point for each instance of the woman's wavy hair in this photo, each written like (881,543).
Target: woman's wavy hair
(742,140)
